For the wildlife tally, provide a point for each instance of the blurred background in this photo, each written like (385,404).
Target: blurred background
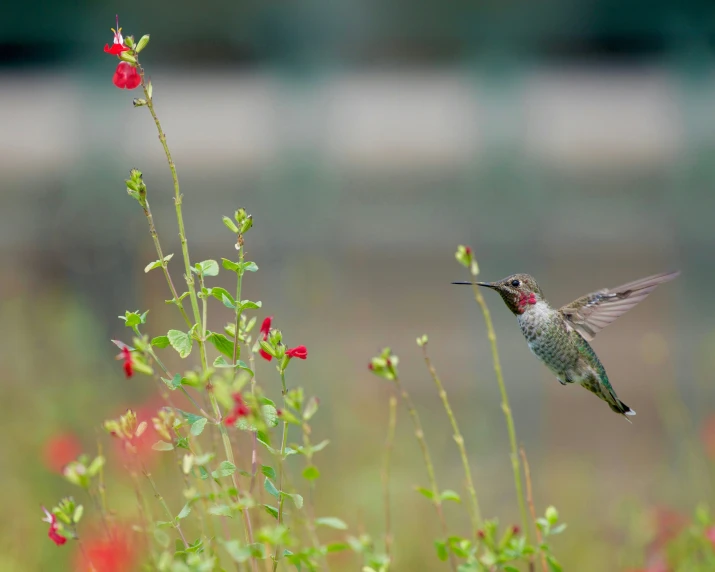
(570,140)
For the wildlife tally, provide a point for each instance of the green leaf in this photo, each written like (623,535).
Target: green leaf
(191,418)
(157,263)
(336,547)
(268,471)
(447,494)
(267,446)
(173,383)
(270,415)
(248,305)
(208,267)
(558,529)
(273,511)
(297,499)
(510,569)
(554,565)
(331,522)
(203,473)
(225,469)
(311,473)
(221,510)
(310,408)
(229,265)
(160,342)
(161,537)
(219,293)
(425,492)
(320,446)
(197,426)
(78,512)
(180,341)
(96,464)
(229,224)
(162,446)
(221,343)
(250,267)
(271,488)
(184,512)
(227,302)
(236,551)
(441,548)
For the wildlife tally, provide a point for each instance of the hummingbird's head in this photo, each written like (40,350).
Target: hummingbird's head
(519,291)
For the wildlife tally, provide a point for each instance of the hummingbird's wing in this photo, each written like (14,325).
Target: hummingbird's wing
(591,313)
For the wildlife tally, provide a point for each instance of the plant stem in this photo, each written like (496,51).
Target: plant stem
(419,433)
(389,444)
(239,280)
(162,502)
(82,550)
(193,297)
(281,469)
(530,500)
(475,514)
(506,409)
(164,264)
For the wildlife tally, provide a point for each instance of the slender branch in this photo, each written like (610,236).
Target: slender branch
(475,514)
(419,433)
(82,550)
(530,500)
(281,468)
(174,521)
(506,409)
(164,264)
(239,280)
(389,445)
(194,298)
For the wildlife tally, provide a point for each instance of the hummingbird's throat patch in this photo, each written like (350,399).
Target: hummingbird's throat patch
(526,299)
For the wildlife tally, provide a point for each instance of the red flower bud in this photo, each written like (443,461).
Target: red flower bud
(265,355)
(240,409)
(266,326)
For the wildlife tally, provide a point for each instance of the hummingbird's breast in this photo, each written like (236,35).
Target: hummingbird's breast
(549,339)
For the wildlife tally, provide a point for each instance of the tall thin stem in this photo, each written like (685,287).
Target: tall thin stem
(506,409)
(201,341)
(389,445)
(239,280)
(281,468)
(420,434)
(475,514)
(164,264)
(174,521)
(530,500)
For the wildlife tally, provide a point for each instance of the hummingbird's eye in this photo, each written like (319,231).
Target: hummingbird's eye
(515,283)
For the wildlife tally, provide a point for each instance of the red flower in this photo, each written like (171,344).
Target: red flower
(301,352)
(265,330)
(126,355)
(240,409)
(55,536)
(118,44)
(126,76)
(116,554)
(710,535)
(60,450)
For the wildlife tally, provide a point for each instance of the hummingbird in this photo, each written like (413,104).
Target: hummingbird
(559,338)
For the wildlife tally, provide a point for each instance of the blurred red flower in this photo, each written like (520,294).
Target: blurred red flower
(53,533)
(59,450)
(301,352)
(126,355)
(240,409)
(707,434)
(265,330)
(114,554)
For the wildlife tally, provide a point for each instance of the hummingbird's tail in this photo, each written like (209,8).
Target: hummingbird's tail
(606,392)
(619,407)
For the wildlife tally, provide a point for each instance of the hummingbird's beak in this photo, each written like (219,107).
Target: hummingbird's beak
(485,284)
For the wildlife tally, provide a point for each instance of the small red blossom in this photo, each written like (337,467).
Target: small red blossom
(53,533)
(468,250)
(279,412)
(118,45)
(60,450)
(126,76)
(240,409)
(515,529)
(371,366)
(265,330)
(301,352)
(480,534)
(126,355)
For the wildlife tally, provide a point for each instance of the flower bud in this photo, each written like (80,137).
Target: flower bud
(247,224)
(142,43)
(128,58)
(129,41)
(137,102)
(229,224)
